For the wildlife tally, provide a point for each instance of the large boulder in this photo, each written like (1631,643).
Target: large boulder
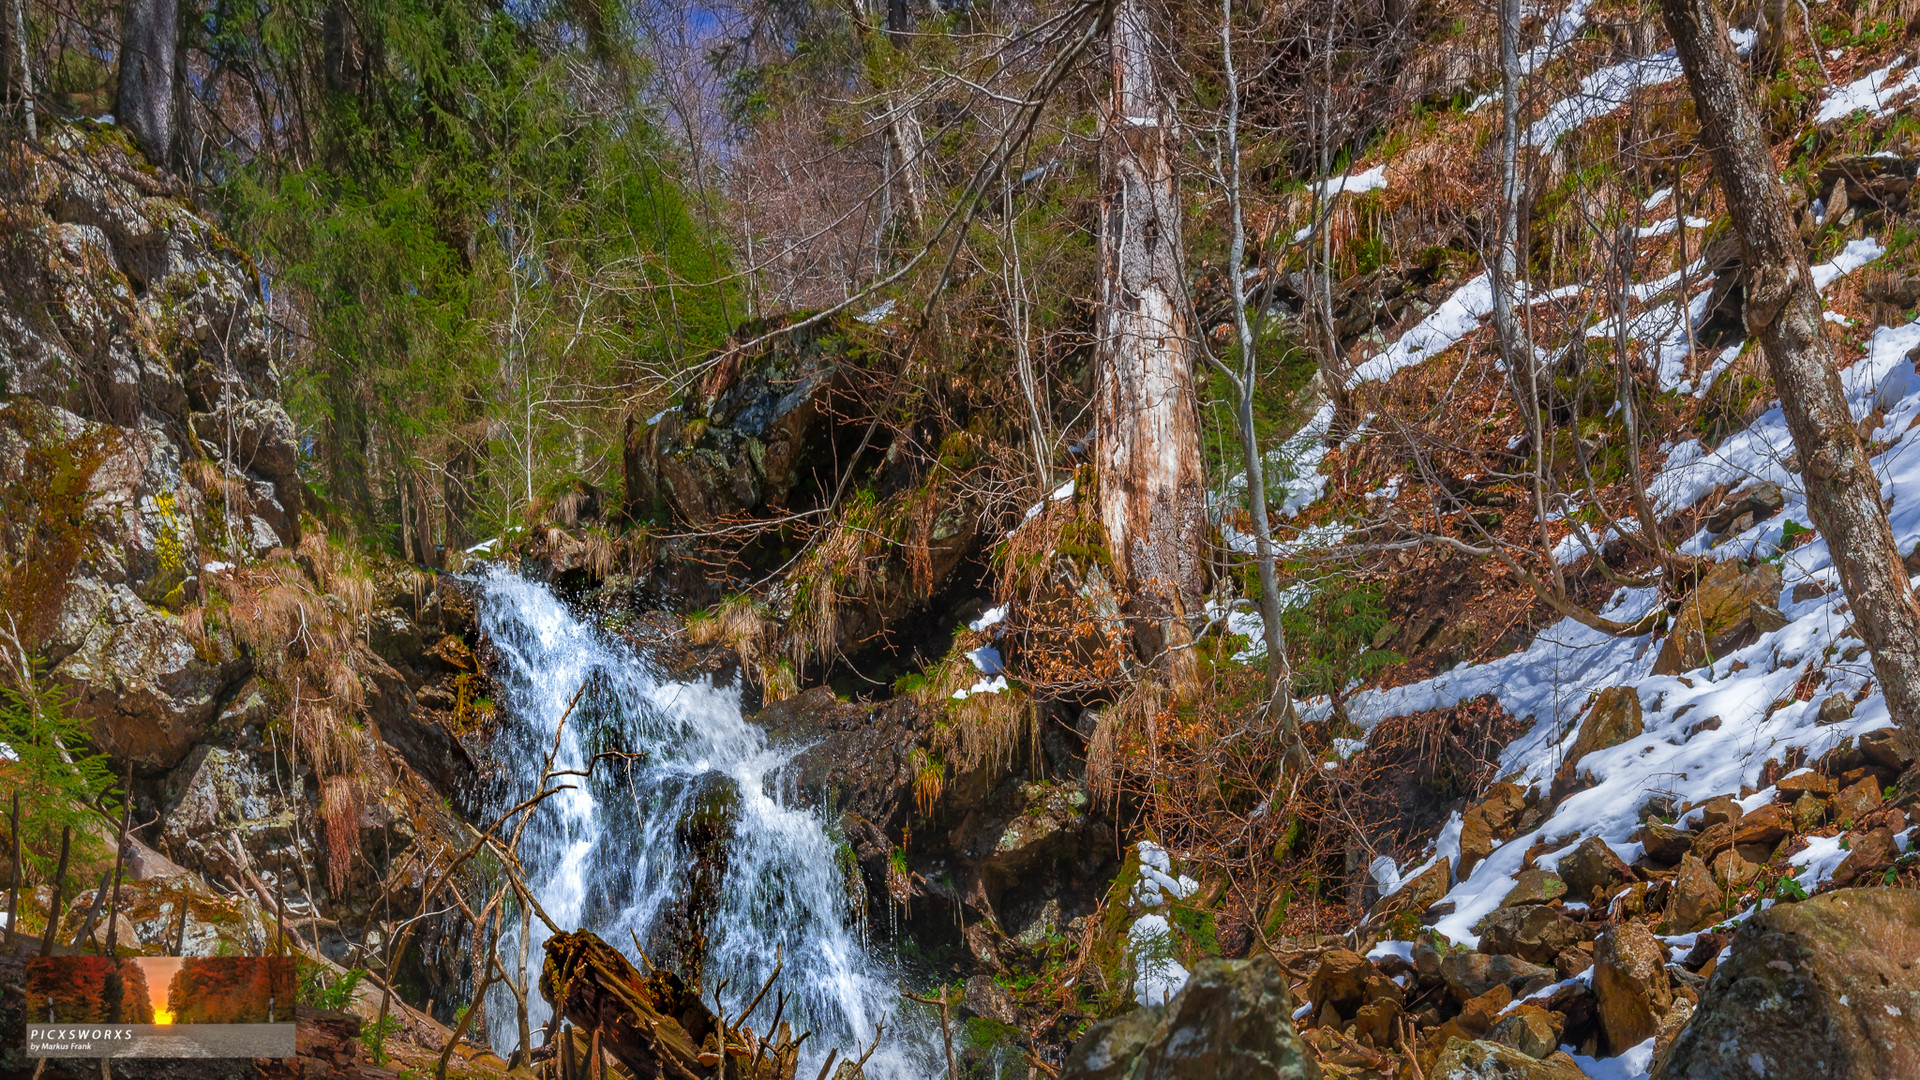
(1536,933)
(1825,989)
(739,441)
(1730,608)
(1490,823)
(854,755)
(1591,871)
(1232,1021)
(149,691)
(1694,899)
(1415,895)
(1469,975)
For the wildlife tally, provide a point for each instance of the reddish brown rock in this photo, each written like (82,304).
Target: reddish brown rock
(1663,843)
(1592,870)
(1630,982)
(1614,717)
(1490,823)
(1791,787)
(1693,899)
(1867,853)
(1857,800)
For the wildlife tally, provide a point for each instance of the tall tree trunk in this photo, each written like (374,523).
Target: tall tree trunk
(1147,438)
(1775,38)
(149,33)
(26,68)
(1784,313)
(904,136)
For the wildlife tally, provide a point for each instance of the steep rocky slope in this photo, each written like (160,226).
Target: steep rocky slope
(286,707)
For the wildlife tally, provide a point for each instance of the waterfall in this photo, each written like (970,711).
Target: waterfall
(610,855)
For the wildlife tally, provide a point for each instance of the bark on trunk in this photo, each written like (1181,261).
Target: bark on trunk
(1147,451)
(149,32)
(26,69)
(1775,37)
(1784,314)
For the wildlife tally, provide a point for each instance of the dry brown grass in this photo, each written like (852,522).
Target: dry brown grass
(340,810)
(599,553)
(300,618)
(743,625)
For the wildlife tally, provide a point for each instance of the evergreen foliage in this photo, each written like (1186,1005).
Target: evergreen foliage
(481,246)
(60,782)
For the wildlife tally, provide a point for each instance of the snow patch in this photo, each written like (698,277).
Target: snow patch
(1874,94)
(991,617)
(1157,975)
(1455,318)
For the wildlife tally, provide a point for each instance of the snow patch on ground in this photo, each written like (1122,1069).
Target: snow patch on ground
(1635,1064)
(1600,93)
(1455,318)
(1374,179)
(1874,93)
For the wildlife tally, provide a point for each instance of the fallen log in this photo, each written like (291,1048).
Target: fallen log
(653,1024)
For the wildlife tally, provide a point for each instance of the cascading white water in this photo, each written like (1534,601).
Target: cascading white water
(608,856)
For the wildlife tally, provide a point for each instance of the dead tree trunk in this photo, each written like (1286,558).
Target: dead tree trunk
(1784,313)
(653,1023)
(1147,450)
(149,33)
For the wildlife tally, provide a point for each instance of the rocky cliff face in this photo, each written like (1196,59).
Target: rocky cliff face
(287,707)
(139,441)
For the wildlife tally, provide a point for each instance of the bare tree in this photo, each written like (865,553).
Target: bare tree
(1147,450)
(1785,314)
(1245,382)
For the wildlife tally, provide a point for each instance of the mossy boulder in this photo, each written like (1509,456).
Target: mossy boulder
(1464,1059)
(1232,1021)
(1730,608)
(1826,988)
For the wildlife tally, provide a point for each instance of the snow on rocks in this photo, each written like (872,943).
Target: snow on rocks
(1636,1063)
(1157,884)
(1157,976)
(995,685)
(992,617)
(987,660)
(1750,694)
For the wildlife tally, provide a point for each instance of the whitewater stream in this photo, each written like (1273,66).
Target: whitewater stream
(609,856)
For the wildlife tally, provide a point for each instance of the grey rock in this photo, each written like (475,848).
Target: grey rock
(1232,1021)
(1825,988)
